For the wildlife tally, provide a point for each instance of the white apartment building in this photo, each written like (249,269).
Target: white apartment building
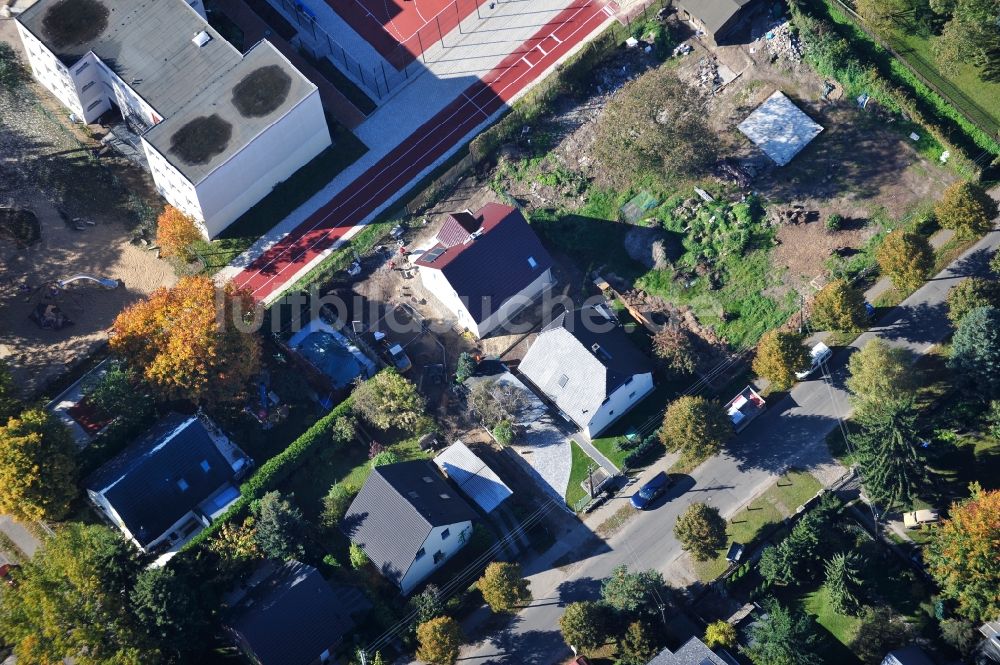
(219,129)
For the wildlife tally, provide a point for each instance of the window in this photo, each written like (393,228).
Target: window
(420,554)
(82,67)
(445,534)
(95,104)
(563,380)
(88,86)
(532,262)
(611,412)
(182,484)
(438,556)
(205,466)
(631,394)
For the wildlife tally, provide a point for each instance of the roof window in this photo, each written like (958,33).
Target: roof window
(205,466)
(428,479)
(532,262)
(563,380)
(182,484)
(201,39)
(445,496)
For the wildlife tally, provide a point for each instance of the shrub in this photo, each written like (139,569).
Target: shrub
(720,634)
(834,222)
(504,432)
(357,556)
(175,233)
(966,208)
(383,458)
(466,366)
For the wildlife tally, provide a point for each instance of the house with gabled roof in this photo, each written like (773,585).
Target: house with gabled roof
(586,365)
(486,266)
(409,520)
(170,483)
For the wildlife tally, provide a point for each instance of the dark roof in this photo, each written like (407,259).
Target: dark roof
(141,483)
(396,510)
(493,266)
(715,15)
(291,618)
(694,652)
(909,655)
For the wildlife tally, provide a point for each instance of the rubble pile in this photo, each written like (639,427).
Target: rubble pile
(779,41)
(795,215)
(707,76)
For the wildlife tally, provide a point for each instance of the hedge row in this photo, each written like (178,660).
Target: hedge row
(277,469)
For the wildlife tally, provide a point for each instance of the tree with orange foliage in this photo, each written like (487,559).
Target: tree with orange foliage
(175,232)
(187,343)
(964,556)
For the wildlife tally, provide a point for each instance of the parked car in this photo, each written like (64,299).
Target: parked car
(648,492)
(820,354)
(400,360)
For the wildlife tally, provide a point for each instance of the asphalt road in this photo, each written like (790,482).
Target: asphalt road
(790,433)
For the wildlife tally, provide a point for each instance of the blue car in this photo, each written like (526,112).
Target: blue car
(648,492)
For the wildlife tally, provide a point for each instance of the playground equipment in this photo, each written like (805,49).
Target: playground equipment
(105,282)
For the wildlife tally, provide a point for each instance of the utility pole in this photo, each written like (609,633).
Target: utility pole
(590,479)
(363,656)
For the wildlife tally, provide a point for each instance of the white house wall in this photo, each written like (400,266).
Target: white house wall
(620,402)
(251,174)
(174,187)
(49,71)
(458,536)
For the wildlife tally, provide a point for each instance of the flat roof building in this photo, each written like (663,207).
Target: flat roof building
(218,128)
(780,128)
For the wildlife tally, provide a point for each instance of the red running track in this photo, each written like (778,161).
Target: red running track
(400,30)
(386,179)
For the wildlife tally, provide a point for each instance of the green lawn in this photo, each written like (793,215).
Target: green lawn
(577,474)
(842,628)
(651,407)
(779,501)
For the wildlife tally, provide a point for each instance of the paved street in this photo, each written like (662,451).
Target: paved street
(790,433)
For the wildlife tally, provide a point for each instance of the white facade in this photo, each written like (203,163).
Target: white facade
(439,286)
(442,543)
(619,403)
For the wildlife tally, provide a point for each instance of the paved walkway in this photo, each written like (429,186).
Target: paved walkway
(491,62)
(595,454)
(21,537)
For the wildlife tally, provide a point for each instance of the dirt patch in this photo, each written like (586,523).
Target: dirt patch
(804,248)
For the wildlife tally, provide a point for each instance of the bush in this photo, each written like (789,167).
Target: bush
(504,432)
(644,452)
(966,208)
(834,222)
(466,366)
(357,556)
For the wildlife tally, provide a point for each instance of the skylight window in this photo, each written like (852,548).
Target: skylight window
(433,254)
(182,484)
(205,466)
(532,262)
(563,380)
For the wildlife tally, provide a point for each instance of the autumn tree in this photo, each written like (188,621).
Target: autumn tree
(653,126)
(584,625)
(37,467)
(779,356)
(673,345)
(701,531)
(175,233)
(720,634)
(886,452)
(783,636)
(969,36)
(966,208)
(962,556)
(905,258)
(636,646)
(695,426)
(9,403)
(839,306)
(975,351)
(503,587)
(236,544)
(187,341)
(878,373)
(281,529)
(970,294)
(843,582)
(388,400)
(439,640)
(71,602)
(884,16)
(633,593)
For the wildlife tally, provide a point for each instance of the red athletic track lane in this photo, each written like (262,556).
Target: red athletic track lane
(385,180)
(400,30)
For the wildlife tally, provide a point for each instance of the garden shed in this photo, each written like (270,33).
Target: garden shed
(780,128)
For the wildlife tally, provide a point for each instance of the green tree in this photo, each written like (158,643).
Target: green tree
(804,545)
(995,264)
(120,393)
(695,426)
(970,294)
(440,640)
(839,306)
(975,351)
(783,636)
(633,593)
(884,16)
(905,258)
(962,556)
(647,128)
(357,556)
(701,531)
(583,625)
(880,632)
(843,582)
(10,405)
(70,602)
(779,356)
(968,37)
(961,635)
(966,208)
(37,467)
(335,504)
(890,469)
(389,400)
(878,373)
(281,529)
(427,604)
(504,587)
(672,344)
(168,609)
(775,566)
(636,646)
(466,366)
(721,634)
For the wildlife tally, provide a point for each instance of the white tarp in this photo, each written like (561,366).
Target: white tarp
(780,128)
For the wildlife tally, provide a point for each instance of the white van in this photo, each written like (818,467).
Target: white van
(820,354)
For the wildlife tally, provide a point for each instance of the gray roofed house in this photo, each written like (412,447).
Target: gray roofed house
(585,363)
(169,484)
(476,480)
(693,652)
(780,128)
(291,617)
(908,655)
(409,520)
(716,18)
